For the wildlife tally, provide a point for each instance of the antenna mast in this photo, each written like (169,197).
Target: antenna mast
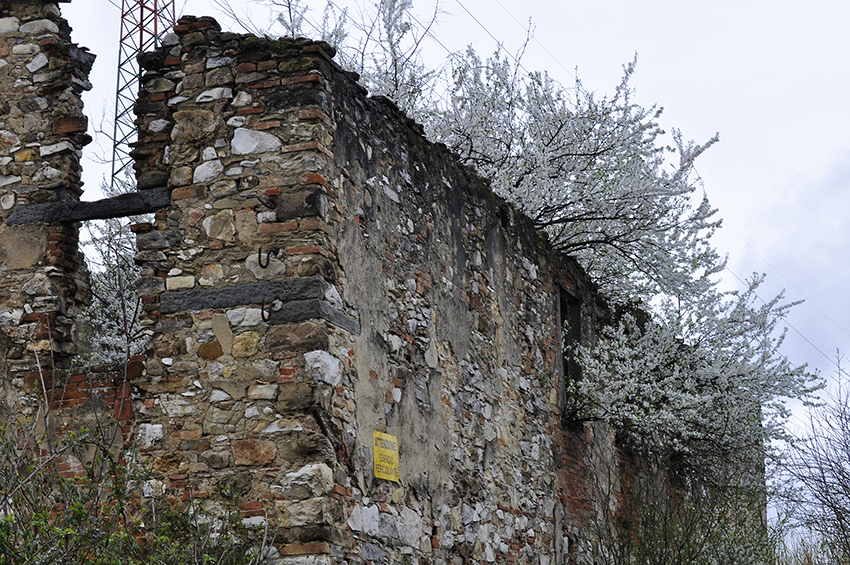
(143,23)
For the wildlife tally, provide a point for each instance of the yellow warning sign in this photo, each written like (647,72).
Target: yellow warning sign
(385,456)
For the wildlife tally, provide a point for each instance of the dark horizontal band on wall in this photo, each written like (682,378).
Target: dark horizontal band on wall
(131,204)
(300,310)
(305,288)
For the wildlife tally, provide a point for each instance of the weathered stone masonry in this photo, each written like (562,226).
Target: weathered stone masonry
(42,130)
(317,271)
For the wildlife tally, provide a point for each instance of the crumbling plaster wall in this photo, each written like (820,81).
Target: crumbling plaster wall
(460,356)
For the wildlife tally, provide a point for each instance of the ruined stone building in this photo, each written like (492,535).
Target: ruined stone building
(329,297)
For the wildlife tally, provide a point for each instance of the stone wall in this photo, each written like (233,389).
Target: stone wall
(322,273)
(240,282)
(42,130)
(460,357)
(315,272)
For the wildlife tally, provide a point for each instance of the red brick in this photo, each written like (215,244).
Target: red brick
(313,178)
(141,227)
(313,114)
(310,224)
(312,548)
(307,250)
(267,125)
(123,410)
(306,146)
(68,124)
(306,78)
(267,84)
(183,193)
(289,225)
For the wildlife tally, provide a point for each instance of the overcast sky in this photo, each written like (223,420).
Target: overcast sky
(771,76)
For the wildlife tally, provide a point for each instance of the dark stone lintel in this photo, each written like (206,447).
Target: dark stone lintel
(305,288)
(300,310)
(131,204)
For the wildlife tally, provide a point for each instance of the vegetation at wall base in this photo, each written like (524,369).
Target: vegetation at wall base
(78,501)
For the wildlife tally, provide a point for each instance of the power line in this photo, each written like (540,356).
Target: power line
(825,315)
(798,332)
(537,41)
(487,31)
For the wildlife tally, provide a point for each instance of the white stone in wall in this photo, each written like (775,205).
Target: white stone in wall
(39,26)
(371,520)
(7,180)
(37,63)
(171,38)
(275,268)
(254,522)
(215,62)
(153,487)
(8,138)
(149,434)
(317,478)
(244,317)
(393,195)
(25,49)
(242,99)
(218,395)
(333,297)
(47,76)
(409,526)
(262,392)
(11,318)
(323,366)
(283,425)
(9,25)
(208,171)
(157,126)
(214,94)
(432,357)
(355,520)
(175,406)
(305,560)
(46,172)
(39,285)
(180,283)
(247,141)
(46,150)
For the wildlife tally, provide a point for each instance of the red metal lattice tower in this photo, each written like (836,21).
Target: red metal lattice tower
(143,23)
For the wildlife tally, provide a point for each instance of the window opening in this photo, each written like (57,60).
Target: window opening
(569,326)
